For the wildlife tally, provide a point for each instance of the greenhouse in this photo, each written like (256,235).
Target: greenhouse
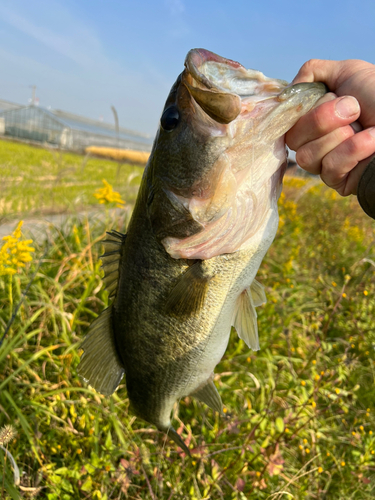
(67,131)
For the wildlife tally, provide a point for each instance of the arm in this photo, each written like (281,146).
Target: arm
(337,138)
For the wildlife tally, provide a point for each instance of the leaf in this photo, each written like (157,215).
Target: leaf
(62,471)
(90,468)
(108,441)
(87,485)
(279,424)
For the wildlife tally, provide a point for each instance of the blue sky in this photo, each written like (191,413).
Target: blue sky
(85,56)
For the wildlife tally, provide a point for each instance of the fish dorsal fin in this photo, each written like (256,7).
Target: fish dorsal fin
(188,294)
(111,260)
(257,293)
(245,320)
(209,395)
(100,365)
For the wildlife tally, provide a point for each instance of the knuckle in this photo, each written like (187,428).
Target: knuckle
(311,63)
(329,166)
(304,157)
(352,148)
(319,120)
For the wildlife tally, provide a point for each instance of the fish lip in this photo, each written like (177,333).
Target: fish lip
(195,59)
(293,90)
(259,86)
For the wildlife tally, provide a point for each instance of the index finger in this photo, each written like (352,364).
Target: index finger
(320,70)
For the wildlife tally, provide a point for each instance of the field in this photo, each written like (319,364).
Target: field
(299,414)
(36,181)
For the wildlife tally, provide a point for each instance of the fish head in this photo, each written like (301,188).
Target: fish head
(219,154)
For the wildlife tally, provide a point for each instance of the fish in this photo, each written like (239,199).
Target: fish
(205,215)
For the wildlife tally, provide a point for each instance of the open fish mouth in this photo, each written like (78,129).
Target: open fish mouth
(251,113)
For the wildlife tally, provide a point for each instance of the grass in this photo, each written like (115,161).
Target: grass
(35,180)
(299,414)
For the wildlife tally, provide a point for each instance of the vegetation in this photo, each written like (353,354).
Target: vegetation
(299,414)
(37,181)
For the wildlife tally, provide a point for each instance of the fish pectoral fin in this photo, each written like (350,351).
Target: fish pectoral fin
(100,365)
(187,296)
(111,260)
(245,320)
(209,395)
(257,293)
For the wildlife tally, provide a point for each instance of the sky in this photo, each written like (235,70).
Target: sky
(85,56)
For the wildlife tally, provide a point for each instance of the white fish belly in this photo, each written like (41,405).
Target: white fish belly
(249,260)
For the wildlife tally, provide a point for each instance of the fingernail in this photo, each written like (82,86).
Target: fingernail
(372,131)
(347,106)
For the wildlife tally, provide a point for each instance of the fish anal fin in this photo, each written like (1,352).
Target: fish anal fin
(188,295)
(245,320)
(111,260)
(100,365)
(209,395)
(257,293)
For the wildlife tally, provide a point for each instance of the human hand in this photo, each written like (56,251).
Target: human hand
(324,140)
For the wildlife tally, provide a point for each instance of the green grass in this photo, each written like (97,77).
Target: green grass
(35,180)
(299,414)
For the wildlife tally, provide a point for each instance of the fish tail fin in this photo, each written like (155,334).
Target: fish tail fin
(100,365)
(177,439)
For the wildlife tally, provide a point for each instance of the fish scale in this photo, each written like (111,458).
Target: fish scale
(205,215)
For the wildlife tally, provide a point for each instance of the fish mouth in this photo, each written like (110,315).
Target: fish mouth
(224,89)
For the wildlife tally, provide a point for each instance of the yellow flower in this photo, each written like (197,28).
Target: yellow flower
(303,382)
(320,470)
(307,450)
(343,464)
(314,362)
(334,283)
(328,454)
(317,377)
(344,295)
(365,292)
(361,428)
(14,253)
(107,195)
(337,390)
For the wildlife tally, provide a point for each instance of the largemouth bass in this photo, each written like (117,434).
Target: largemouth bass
(205,215)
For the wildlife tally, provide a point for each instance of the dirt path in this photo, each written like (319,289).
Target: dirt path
(39,227)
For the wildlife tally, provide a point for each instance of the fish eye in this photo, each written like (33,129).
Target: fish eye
(170,118)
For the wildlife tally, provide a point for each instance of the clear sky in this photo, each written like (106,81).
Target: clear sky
(86,55)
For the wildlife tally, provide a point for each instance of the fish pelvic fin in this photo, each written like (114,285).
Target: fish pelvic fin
(111,260)
(188,295)
(209,395)
(245,316)
(177,439)
(100,365)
